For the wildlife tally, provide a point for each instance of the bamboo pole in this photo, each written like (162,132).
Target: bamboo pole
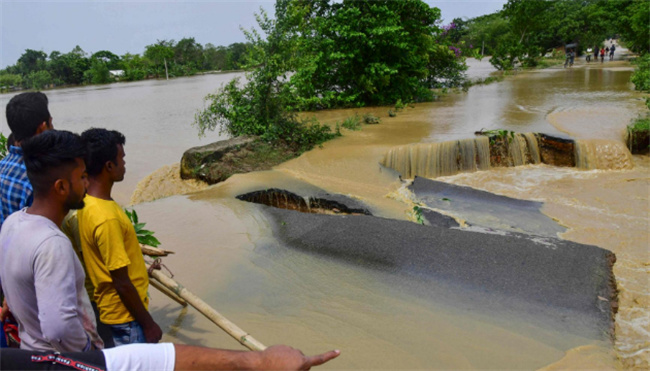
(172,295)
(214,316)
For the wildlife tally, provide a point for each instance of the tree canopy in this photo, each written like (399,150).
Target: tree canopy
(323,54)
(35,69)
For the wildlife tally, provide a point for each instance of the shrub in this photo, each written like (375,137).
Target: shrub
(641,76)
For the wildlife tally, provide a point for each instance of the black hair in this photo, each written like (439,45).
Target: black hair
(25,113)
(102,147)
(10,141)
(51,156)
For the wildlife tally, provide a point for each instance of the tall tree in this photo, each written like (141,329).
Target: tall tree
(31,61)
(160,53)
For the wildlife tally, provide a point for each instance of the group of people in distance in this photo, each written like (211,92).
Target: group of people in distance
(602,52)
(65,289)
(570,54)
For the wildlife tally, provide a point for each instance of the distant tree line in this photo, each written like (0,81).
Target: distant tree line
(526,30)
(36,70)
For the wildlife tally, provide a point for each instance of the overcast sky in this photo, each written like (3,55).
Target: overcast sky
(128,26)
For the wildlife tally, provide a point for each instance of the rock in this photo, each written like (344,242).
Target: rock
(197,158)
(638,141)
(556,151)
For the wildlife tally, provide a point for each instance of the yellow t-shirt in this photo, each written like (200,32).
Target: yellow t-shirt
(109,242)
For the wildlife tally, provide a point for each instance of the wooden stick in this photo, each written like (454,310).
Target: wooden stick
(214,316)
(172,295)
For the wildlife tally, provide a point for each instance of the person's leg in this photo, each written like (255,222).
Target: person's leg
(127,333)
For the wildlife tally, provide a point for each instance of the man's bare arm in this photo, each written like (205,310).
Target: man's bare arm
(277,357)
(131,300)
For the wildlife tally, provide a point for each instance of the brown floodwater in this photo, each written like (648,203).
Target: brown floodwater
(226,253)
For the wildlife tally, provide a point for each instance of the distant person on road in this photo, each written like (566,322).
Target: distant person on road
(602,55)
(596,51)
(611,52)
(570,55)
(588,57)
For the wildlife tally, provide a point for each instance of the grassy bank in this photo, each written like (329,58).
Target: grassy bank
(638,136)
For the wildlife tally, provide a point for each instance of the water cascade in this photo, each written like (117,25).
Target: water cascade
(431,160)
(602,154)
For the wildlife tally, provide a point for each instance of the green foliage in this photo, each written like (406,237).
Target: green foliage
(498,134)
(417,212)
(98,73)
(145,237)
(10,80)
(38,79)
(134,67)
(370,119)
(3,146)
(352,123)
(160,53)
(529,27)
(322,55)
(399,105)
(357,53)
(31,61)
(641,76)
(184,58)
(641,124)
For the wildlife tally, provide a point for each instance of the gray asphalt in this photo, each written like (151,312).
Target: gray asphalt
(484,209)
(567,284)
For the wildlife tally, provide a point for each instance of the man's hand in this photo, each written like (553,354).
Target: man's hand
(152,332)
(282,357)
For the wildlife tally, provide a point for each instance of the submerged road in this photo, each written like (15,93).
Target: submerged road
(567,284)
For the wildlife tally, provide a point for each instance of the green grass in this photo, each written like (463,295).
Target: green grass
(352,123)
(641,124)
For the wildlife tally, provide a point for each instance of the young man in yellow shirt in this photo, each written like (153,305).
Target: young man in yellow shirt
(110,246)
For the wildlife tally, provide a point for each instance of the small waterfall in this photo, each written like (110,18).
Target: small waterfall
(432,160)
(533,148)
(438,159)
(602,154)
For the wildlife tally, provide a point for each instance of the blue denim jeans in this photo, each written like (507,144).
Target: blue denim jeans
(127,333)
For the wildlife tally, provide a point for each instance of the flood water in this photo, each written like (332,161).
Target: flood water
(226,253)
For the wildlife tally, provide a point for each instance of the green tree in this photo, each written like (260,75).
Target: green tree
(214,58)
(318,54)
(31,61)
(135,67)
(8,80)
(188,52)
(362,52)
(98,72)
(112,61)
(630,20)
(160,54)
(38,79)
(68,68)
(484,32)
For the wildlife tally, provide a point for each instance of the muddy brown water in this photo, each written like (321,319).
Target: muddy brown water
(227,254)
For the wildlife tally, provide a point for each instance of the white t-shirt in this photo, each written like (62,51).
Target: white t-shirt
(143,357)
(43,283)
